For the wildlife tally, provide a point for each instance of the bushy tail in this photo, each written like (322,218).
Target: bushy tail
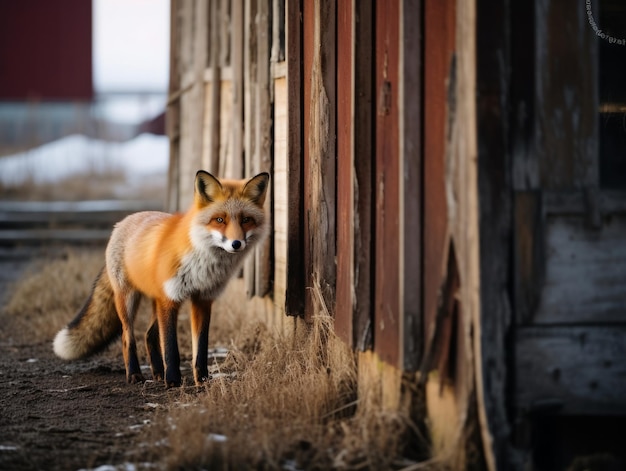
(95,326)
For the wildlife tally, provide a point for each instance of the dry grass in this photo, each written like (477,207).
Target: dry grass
(50,292)
(283,401)
(280,400)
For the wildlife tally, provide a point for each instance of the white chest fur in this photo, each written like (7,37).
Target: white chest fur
(202,273)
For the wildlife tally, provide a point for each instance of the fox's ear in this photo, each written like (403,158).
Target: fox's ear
(207,187)
(255,189)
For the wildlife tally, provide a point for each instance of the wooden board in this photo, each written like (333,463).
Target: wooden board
(345,296)
(439,45)
(585,272)
(226,157)
(355,111)
(193,52)
(262,158)
(281,193)
(566,146)
(529,253)
(411,141)
(387,326)
(294,303)
(319,154)
(494,207)
(573,370)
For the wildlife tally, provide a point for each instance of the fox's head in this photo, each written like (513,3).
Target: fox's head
(229,214)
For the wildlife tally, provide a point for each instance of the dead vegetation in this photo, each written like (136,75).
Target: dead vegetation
(280,403)
(50,292)
(278,400)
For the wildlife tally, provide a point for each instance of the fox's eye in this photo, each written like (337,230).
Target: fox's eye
(246,220)
(219,220)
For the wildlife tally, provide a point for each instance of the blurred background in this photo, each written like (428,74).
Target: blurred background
(83,90)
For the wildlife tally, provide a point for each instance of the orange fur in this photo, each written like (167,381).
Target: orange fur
(170,258)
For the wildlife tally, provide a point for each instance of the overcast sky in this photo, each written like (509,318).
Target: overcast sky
(131,45)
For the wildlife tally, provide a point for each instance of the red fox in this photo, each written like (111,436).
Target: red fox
(169,258)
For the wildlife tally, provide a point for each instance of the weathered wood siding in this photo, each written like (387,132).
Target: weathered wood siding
(495,207)
(319,17)
(572,370)
(295,267)
(387,197)
(569,249)
(220,76)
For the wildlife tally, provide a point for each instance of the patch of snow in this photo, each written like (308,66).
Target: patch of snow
(8,448)
(141,425)
(290,465)
(216,437)
(145,155)
(119,467)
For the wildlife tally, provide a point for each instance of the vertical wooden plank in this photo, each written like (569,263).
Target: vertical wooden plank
(200,47)
(522,95)
(411,156)
(195,34)
(278,30)
(529,255)
(263,139)
(281,194)
(364,110)
(439,43)
(567,99)
(294,303)
(308,52)
(387,246)
(319,154)
(186,74)
(212,115)
(344,312)
(353,318)
(236,167)
(172,116)
(250,83)
(225,117)
(494,219)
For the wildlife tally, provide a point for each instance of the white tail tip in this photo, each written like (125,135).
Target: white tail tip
(63,345)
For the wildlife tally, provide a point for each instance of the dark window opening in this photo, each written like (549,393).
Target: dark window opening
(611,31)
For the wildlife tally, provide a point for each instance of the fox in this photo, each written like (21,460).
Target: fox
(169,258)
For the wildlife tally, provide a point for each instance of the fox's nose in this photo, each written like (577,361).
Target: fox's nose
(236,244)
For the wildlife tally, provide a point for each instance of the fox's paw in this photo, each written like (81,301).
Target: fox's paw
(172,384)
(201,380)
(172,380)
(135,378)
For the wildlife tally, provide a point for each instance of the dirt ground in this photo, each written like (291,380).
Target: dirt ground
(70,416)
(57,415)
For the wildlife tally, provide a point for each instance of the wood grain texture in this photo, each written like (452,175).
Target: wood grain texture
(294,302)
(319,152)
(529,253)
(411,141)
(567,101)
(571,370)
(585,272)
(345,295)
(387,326)
(494,204)
(281,193)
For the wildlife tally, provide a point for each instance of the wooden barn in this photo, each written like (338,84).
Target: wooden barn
(449,180)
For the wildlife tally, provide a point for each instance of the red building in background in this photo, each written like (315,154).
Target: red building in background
(46,50)
(47,80)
